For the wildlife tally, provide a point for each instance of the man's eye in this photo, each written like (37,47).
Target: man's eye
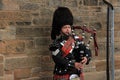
(65,27)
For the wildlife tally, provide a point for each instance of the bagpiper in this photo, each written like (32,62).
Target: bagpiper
(68,51)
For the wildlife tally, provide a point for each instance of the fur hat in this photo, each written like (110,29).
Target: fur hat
(62,16)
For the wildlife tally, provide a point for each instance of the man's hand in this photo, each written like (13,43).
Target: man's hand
(78,65)
(84,61)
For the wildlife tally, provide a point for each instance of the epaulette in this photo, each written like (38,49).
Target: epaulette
(55,45)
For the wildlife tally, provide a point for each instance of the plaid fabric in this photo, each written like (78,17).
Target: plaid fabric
(61,77)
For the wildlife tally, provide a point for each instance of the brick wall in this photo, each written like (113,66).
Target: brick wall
(25,35)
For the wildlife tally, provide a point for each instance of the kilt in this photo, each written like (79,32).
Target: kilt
(66,77)
(61,77)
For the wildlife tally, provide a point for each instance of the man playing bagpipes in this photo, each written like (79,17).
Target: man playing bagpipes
(68,51)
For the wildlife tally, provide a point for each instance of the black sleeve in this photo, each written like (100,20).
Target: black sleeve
(82,51)
(57,56)
(88,54)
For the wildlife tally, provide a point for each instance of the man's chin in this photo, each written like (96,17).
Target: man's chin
(67,34)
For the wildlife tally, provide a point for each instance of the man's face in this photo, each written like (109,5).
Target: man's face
(66,29)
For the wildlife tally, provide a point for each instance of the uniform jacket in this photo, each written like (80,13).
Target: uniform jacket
(65,65)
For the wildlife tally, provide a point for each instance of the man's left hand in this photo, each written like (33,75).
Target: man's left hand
(84,61)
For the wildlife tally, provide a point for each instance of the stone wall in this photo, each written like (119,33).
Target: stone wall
(25,27)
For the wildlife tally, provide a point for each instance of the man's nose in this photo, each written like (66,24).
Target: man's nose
(67,29)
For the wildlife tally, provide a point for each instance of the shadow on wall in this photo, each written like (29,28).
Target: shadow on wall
(1,4)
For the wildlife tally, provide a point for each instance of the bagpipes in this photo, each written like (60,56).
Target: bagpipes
(93,36)
(68,45)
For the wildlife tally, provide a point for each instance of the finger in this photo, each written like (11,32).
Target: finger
(84,60)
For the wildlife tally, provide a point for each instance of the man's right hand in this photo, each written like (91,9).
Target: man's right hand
(78,65)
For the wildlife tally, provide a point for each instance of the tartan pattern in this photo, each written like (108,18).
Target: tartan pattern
(61,77)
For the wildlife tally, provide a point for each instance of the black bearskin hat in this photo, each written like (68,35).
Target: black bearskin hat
(62,16)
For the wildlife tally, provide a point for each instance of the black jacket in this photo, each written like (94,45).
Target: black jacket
(65,65)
